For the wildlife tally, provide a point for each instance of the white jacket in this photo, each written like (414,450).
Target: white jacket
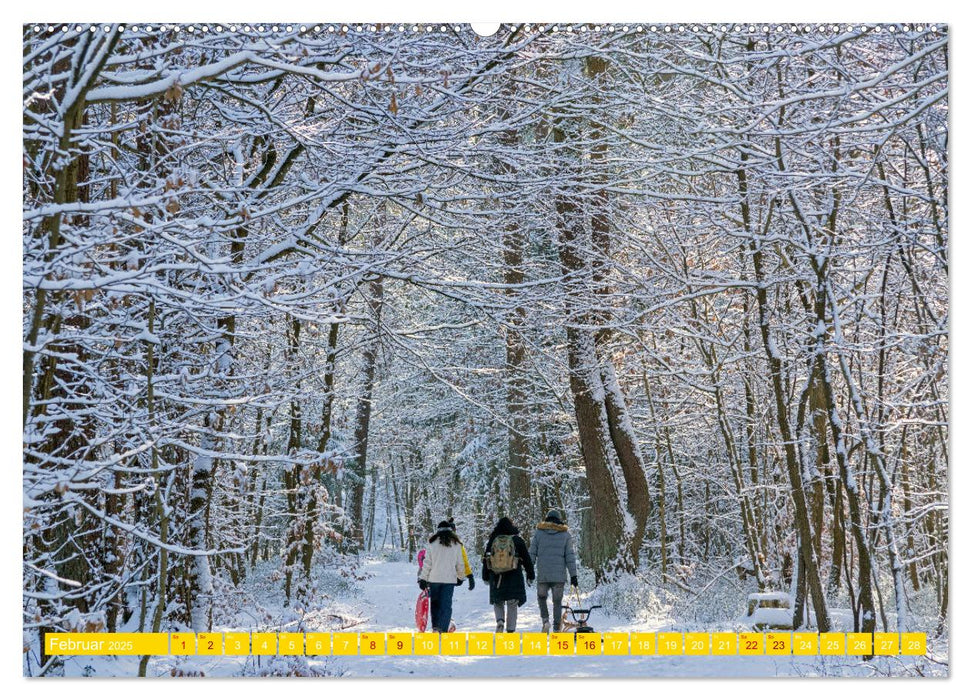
(442,564)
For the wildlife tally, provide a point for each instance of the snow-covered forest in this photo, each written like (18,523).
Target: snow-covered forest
(293,294)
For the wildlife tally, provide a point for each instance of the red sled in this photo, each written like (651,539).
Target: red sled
(421,611)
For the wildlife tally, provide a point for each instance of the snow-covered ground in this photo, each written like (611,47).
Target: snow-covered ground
(381,597)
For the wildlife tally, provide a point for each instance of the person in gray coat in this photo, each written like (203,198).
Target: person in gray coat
(553,556)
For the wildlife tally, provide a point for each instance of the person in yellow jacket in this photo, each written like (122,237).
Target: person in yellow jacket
(465,559)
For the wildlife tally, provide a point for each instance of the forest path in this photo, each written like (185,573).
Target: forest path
(392,589)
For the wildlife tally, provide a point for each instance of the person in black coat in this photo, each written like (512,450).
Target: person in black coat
(507,590)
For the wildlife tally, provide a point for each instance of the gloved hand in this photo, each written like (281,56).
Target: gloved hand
(471,581)
(574,582)
(422,584)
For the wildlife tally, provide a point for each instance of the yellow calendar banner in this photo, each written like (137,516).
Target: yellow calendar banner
(670,643)
(182,643)
(237,643)
(697,644)
(104,644)
(778,643)
(426,643)
(488,644)
(534,643)
(453,644)
(724,643)
(344,644)
(913,643)
(508,644)
(399,643)
(481,643)
(372,644)
(291,644)
(619,644)
(589,644)
(751,644)
(859,644)
(210,644)
(264,643)
(832,644)
(805,643)
(318,643)
(886,643)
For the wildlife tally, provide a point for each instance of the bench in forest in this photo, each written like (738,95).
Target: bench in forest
(771,610)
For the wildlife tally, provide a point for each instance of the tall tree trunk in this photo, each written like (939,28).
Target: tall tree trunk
(326,413)
(517,450)
(199,578)
(612,533)
(908,508)
(295,483)
(161,512)
(628,454)
(759,526)
(625,445)
(362,419)
(609,543)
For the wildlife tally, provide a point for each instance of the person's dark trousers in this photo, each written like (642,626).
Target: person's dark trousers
(542,590)
(506,614)
(440,599)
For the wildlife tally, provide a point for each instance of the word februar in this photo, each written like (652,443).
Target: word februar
(105,644)
(487,644)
